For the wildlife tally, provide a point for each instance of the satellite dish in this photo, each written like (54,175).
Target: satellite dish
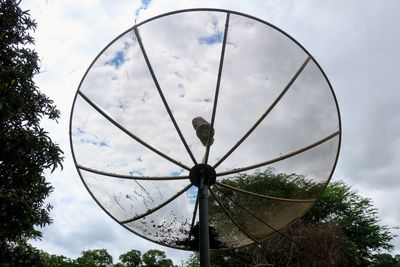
(205,101)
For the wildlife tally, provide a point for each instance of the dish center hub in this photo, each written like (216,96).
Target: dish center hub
(202,171)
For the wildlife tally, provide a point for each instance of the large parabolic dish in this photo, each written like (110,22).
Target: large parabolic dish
(274,114)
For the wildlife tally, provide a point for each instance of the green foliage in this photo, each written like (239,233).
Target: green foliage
(358,220)
(276,185)
(156,258)
(152,258)
(342,229)
(56,260)
(193,261)
(90,258)
(95,258)
(26,150)
(131,258)
(266,183)
(22,255)
(386,260)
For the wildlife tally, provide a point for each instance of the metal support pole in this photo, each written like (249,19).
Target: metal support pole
(204,245)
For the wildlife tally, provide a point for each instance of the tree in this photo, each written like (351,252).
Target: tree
(95,258)
(358,220)
(342,229)
(386,260)
(23,255)
(156,258)
(26,150)
(131,258)
(56,260)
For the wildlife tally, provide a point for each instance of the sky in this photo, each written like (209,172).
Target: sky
(355,43)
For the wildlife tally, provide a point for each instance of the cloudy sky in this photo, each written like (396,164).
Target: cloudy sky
(355,43)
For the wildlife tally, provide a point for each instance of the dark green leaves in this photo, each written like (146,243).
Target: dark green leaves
(95,258)
(131,258)
(342,229)
(156,258)
(26,149)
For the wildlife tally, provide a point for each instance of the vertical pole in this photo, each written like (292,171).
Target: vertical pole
(204,245)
